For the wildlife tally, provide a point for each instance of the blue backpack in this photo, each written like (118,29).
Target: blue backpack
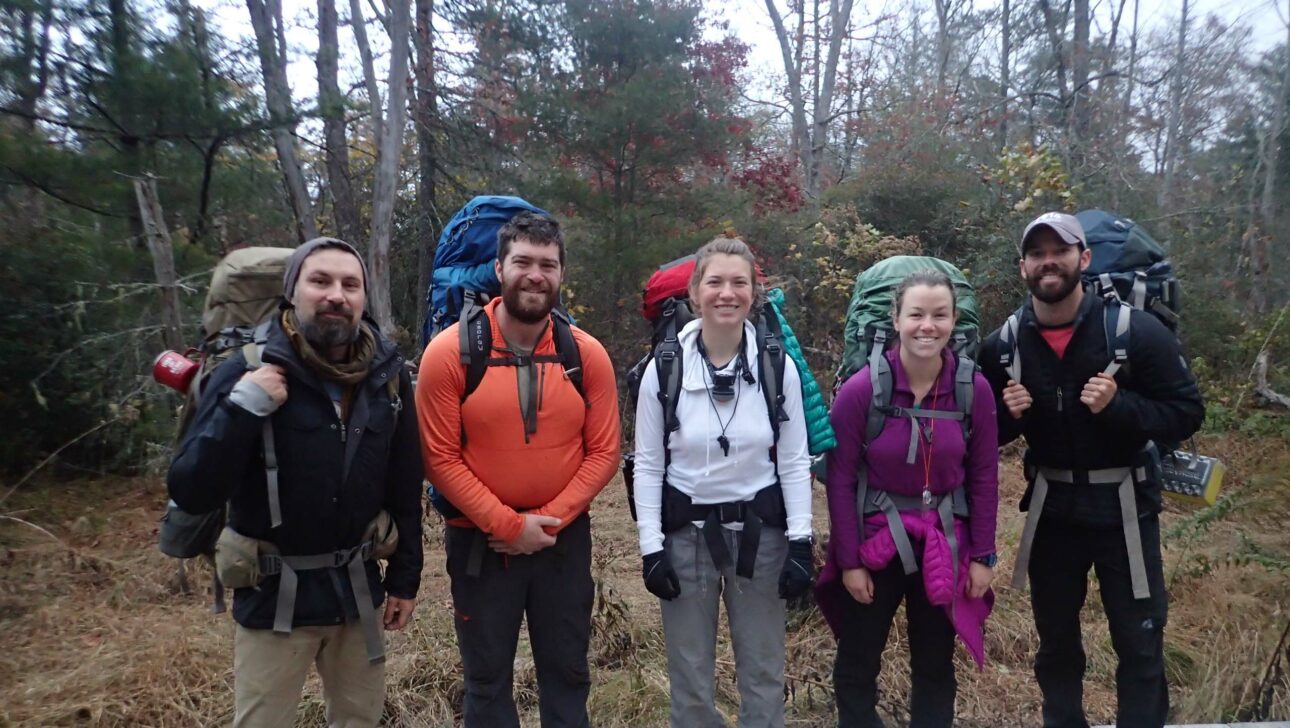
(463,260)
(1128,264)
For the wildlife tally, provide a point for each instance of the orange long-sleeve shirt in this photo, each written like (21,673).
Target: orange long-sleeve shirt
(499,474)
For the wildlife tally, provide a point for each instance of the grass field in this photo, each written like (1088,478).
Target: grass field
(95,632)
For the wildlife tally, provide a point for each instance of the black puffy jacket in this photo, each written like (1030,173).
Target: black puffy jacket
(1157,400)
(331,486)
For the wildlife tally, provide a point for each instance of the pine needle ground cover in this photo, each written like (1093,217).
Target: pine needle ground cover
(97,632)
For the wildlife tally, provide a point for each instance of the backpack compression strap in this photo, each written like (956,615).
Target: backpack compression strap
(1138,292)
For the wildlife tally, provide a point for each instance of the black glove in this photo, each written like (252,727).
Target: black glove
(799,569)
(660,577)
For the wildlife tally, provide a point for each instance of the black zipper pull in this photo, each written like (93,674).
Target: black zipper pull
(1059,399)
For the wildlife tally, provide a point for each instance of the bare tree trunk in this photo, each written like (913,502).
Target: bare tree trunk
(359,26)
(1005,66)
(1110,77)
(331,105)
(1126,113)
(389,143)
(848,129)
(1260,249)
(839,19)
(123,63)
(944,9)
(163,261)
(33,60)
(426,121)
(1133,64)
(1059,54)
(816,39)
(1173,140)
(1081,112)
(266,19)
(801,134)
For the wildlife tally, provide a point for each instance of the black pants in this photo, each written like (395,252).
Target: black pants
(1059,564)
(554,591)
(931,652)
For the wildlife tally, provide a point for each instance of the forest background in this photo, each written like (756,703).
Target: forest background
(142,139)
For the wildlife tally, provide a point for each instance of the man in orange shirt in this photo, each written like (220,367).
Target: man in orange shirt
(519,449)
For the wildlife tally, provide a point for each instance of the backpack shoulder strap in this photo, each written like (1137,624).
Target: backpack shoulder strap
(667,361)
(1117,318)
(476,338)
(1009,352)
(882,381)
(566,348)
(770,362)
(253,352)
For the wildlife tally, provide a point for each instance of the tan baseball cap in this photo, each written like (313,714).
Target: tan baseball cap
(1066,227)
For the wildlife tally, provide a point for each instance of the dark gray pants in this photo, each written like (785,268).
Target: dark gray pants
(756,615)
(1059,565)
(554,591)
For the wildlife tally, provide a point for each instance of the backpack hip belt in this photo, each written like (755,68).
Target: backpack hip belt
(1124,479)
(352,560)
(766,506)
(947,506)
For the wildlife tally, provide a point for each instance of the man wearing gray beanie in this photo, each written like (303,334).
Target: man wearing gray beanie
(311,437)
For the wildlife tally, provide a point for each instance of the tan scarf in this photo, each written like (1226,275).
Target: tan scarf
(351,371)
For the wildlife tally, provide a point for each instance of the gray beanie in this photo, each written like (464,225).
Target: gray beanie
(297,261)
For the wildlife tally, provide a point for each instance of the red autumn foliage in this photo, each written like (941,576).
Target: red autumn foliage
(773,180)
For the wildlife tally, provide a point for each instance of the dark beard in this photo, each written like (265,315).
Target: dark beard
(1069,282)
(324,333)
(528,315)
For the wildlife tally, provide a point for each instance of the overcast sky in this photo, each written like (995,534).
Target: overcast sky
(750,22)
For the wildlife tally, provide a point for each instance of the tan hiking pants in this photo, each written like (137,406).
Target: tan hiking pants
(269,673)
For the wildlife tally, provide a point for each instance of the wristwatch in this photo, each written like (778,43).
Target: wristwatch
(988,560)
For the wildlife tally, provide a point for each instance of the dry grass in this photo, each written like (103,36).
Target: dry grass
(96,632)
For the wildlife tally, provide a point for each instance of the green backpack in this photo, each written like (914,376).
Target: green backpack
(869,332)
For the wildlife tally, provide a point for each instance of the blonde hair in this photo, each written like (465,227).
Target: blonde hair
(726,245)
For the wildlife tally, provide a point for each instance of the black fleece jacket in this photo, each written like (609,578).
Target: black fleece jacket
(334,478)
(1157,400)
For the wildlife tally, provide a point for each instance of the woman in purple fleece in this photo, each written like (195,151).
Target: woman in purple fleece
(915,484)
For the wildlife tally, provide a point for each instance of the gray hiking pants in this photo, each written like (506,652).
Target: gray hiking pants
(756,616)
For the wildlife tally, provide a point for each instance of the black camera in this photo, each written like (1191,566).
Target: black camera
(723,385)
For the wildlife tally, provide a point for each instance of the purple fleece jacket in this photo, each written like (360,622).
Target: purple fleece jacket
(974,464)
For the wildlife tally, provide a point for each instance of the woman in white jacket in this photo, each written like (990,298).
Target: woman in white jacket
(724,510)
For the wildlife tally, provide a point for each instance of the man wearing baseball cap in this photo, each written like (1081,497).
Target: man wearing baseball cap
(1090,411)
(310,435)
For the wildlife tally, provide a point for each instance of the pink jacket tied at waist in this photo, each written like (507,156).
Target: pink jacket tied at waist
(876,552)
